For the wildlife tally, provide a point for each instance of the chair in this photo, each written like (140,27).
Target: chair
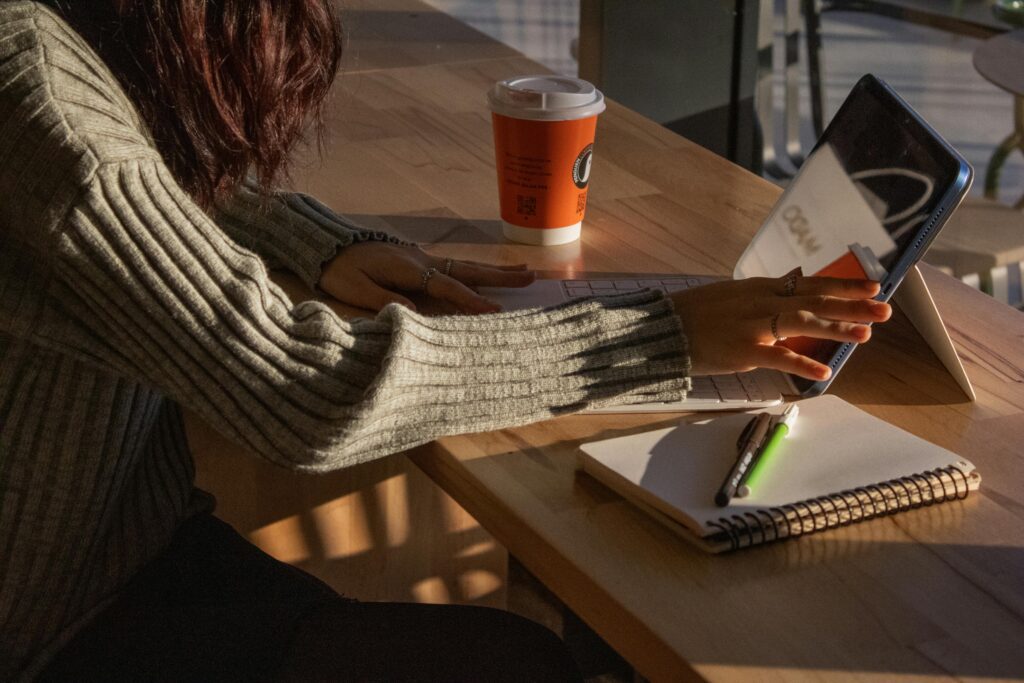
(983,245)
(785,165)
(1000,60)
(976,20)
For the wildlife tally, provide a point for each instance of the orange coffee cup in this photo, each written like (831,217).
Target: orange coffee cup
(543,145)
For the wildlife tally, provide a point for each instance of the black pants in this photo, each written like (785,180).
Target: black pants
(213,607)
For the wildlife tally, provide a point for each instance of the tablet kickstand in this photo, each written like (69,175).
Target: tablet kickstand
(917,303)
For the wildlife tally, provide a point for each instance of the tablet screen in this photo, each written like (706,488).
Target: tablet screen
(864,203)
(893,162)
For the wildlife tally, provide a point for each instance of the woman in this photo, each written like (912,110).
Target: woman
(133,257)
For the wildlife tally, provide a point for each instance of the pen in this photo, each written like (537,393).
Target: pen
(750,440)
(780,432)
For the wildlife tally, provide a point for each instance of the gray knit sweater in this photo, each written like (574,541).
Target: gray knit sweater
(120,301)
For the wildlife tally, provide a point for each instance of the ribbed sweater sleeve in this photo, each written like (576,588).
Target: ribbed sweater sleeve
(289,230)
(143,283)
(120,298)
(197,316)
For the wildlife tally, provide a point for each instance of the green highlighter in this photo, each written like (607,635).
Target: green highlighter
(765,453)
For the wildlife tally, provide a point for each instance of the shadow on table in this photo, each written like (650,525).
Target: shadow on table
(895,595)
(892,594)
(897,367)
(375,531)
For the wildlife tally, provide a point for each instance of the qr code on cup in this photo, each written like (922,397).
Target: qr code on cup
(526,205)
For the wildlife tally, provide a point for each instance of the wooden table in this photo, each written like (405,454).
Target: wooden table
(933,594)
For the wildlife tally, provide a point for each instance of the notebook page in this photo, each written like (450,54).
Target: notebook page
(833,447)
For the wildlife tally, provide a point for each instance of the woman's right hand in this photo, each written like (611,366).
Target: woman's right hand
(729,324)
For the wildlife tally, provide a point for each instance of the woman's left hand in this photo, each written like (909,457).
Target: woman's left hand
(374,274)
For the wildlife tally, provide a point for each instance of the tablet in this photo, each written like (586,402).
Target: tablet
(867,202)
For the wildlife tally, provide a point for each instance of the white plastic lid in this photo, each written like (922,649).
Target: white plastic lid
(545,98)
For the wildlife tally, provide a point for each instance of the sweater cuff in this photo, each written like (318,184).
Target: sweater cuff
(468,373)
(334,232)
(291,229)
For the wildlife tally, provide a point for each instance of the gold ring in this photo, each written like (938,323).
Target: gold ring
(448,266)
(775,327)
(427,274)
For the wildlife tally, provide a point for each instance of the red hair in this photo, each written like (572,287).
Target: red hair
(225,86)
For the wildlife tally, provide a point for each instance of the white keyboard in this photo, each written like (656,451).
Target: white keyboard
(575,289)
(743,391)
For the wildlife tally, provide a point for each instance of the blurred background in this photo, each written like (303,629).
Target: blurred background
(755,81)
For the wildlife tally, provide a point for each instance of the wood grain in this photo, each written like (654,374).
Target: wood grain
(934,594)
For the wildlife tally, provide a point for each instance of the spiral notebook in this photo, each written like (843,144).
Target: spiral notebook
(838,466)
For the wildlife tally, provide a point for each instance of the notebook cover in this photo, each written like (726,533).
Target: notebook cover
(833,447)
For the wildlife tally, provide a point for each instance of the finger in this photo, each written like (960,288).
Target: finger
(839,287)
(439,261)
(403,273)
(476,275)
(834,308)
(368,294)
(804,324)
(785,360)
(449,289)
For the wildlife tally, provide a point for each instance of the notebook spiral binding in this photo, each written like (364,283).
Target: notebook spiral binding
(842,509)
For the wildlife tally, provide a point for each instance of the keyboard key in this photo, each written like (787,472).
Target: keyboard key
(726,382)
(575,292)
(753,387)
(626,285)
(707,395)
(702,382)
(653,284)
(730,388)
(701,387)
(601,284)
(734,396)
(712,397)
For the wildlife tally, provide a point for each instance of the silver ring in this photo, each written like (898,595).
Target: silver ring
(775,327)
(789,285)
(425,278)
(447,270)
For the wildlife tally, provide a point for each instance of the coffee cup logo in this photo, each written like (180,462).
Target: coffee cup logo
(581,168)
